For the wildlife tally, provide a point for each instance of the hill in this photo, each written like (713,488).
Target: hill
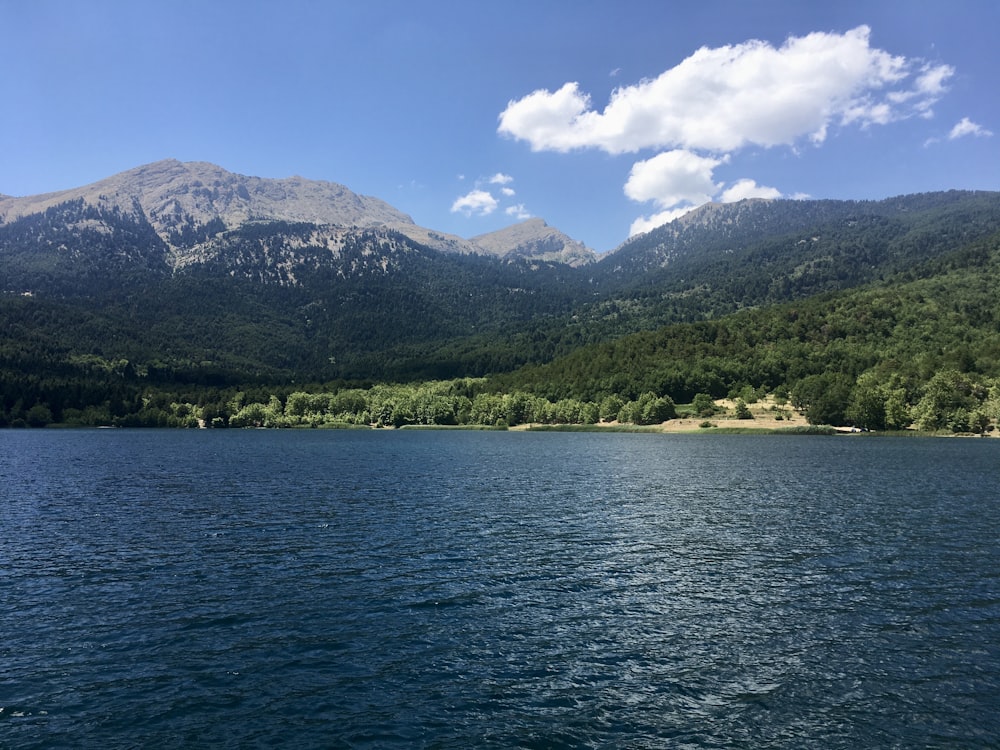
(187,203)
(926,340)
(535,239)
(177,276)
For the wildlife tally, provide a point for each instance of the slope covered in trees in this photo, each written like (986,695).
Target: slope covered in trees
(897,338)
(858,311)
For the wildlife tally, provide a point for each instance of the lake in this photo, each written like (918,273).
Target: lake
(363,589)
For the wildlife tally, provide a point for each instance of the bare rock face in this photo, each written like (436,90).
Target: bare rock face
(535,239)
(174,194)
(198,199)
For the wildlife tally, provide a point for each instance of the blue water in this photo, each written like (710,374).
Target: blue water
(311,589)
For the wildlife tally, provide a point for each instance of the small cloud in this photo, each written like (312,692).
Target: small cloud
(518,212)
(646,223)
(747,188)
(673,177)
(475,203)
(508,192)
(967,127)
(614,73)
(501,179)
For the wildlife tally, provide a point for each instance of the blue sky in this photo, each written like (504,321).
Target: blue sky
(603,118)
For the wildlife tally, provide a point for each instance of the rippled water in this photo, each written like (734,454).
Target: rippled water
(461,589)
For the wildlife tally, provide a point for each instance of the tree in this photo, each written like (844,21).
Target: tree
(297,405)
(741,410)
(648,409)
(704,405)
(38,415)
(609,408)
(251,415)
(948,398)
(867,407)
(878,405)
(824,398)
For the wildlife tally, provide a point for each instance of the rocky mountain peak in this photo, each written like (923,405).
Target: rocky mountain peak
(187,199)
(534,238)
(174,195)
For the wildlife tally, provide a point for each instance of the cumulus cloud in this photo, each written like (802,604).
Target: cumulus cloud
(725,98)
(475,203)
(645,223)
(967,127)
(741,189)
(483,202)
(747,188)
(720,100)
(518,212)
(673,177)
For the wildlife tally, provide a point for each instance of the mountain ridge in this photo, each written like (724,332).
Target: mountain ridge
(204,191)
(534,238)
(101,314)
(370,301)
(180,199)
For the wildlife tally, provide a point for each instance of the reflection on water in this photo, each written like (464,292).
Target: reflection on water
(324,589)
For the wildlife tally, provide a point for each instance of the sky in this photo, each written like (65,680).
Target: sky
(602,118)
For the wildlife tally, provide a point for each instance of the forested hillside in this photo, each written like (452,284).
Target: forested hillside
(854,311)
(834,354)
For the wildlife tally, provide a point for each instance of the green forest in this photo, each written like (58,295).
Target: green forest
(880,316)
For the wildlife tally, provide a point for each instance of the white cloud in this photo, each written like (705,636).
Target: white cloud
(719,100)
(673,177)
(679,181)
(519,212)
(676,181)
(747,188)
(645,223)
(967,127)
(476,202)
(480,202)
(725,98)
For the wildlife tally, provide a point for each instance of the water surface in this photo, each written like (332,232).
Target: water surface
(463,589)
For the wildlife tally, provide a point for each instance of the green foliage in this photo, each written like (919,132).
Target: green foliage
(648,409)
(741,410)
(879,405)
(102,332)
(949,400)
(704,405)
(38,415)
(823,398)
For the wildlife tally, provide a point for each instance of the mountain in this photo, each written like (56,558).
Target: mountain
(183,276)
(918,346)
(535,239)
(801,229)
(187,203)
(176,196)
(724,257)
(189,266)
